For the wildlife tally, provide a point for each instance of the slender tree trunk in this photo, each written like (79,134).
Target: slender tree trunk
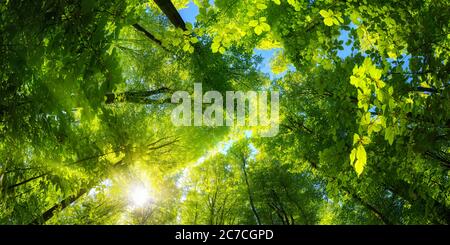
(212,206)
(47,215)
(439,210)
(370,207)
(428,90)
(26,181)
(140,97)
(440,157)
(407,192)
(277,212)
(367,205)
(195,214)
(18,170)
(96,156)
(282,209)
(148,35)
(289,197)
(250,194)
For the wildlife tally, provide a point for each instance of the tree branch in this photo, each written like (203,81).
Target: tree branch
(148,35)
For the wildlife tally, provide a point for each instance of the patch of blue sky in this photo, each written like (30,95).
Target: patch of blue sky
(253,151)
(105,185)
(347,51)
(224,147)
(265,66)
(248,133)
(189,13)
(266,56)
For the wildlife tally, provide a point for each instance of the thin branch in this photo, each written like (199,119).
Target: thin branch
(148,35)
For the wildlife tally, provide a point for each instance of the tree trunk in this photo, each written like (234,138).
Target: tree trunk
(367,205)
(171,12)
(47,215)
(405,191)
(250,194)
(139,97)
(26,181)
(148,35)
(374,210)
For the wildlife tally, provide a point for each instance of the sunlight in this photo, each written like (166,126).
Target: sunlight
(139,195)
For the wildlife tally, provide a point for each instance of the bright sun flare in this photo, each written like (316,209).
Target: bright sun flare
(139,196)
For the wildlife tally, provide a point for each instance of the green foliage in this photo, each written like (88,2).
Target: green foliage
(78,129)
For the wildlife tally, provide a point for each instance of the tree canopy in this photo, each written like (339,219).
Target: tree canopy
(86,135)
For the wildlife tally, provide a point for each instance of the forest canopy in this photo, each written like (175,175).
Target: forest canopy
(86,135)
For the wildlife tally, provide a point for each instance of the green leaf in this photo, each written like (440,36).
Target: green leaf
(193,40)
(354,81)
(110,49)
(324,13)
(392,103)
(261,6)
(215,47)
(352,156)
(335,21)
(365,140)
(355,138)
(253,23)
(176,41)
(375,73)
(354,17)
(361,153)
(328,21)
(380,84)
(376,128)
(392,55)
(409,101)
(189,26)
(186,47)
(389,135)
(359,167)
(361,160)
(365,120)
(265,27)
(391,90)
(217,39)
(258,30)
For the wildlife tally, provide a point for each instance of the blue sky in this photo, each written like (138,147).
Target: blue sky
(188,14)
